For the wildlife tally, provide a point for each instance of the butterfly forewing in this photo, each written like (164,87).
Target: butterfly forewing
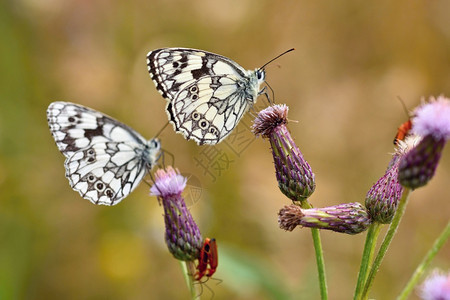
(106,159)
(207,93)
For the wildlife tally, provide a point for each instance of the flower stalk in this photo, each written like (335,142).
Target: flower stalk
(367,257)
(294,175)
(418,273)
(386,242)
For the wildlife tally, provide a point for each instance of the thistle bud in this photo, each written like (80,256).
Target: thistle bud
(349,218)
(382,198)
(182,236)
(294,175)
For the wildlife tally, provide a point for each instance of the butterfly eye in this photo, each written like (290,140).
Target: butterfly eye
(154,144)
(196,116)
(260,74)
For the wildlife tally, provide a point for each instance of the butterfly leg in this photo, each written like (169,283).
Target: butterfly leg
(163,153)
(266,94)
(252,111)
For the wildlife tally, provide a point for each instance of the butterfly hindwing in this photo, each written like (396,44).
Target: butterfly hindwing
(207,110)
(207,93)
(105,159)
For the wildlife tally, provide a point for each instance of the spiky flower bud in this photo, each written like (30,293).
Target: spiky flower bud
(182,236)
(294,175)
(432,122)
(349,218)
(382,198)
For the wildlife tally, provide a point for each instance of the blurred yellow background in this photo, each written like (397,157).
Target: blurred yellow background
(352,62)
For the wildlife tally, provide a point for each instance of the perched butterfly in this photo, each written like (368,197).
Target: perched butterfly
(208,261)
(105,159)
(207,93)
(403,131)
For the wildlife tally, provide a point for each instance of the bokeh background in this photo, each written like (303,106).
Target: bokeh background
(352,62)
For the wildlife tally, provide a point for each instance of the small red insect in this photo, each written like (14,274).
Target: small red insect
(402,131)
(208,261)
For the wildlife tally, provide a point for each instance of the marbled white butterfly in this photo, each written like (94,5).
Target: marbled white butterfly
(207,93)
(105,159)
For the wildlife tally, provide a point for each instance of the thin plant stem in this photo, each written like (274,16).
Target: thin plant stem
(440,241)
(319,257)
(367,257)
(386,242)
(188,271)
(320,263)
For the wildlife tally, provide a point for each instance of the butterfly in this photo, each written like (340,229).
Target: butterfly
(207,93)
(105,159)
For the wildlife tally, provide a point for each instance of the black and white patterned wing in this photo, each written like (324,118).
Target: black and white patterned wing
(105,159)
(207,93)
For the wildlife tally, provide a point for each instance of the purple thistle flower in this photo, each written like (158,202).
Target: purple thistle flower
(349,218)
(294,175)
(436,287)
(431,122)
(382,198)
(182,236)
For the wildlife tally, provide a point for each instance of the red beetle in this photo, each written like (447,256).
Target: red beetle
(208,261)
(402,131)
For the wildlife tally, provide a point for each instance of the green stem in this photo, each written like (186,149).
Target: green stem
(440,241)
(188,271)
(320,263)
(367,257)
(387,241)
(319,257)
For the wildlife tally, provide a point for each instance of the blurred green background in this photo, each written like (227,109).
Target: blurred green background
(352,62)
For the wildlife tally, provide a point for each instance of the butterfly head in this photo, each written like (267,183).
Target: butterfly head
(153,151)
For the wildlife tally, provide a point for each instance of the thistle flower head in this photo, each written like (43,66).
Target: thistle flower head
(269,119)
(349,218)
(382,198)
(432,123)
(433,118)
(294,175)
(182,236)
(168,182)
(436,287)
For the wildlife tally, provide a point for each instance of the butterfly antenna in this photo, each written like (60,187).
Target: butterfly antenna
(276,58)
(161,130)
